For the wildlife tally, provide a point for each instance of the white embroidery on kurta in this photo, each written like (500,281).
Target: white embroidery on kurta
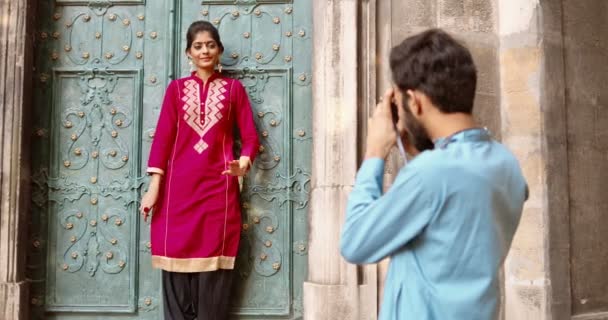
(213,107)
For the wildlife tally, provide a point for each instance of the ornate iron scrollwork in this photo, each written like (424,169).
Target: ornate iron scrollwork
(100,7)
(97,237)
(294,188)
(79,47)
(89,236)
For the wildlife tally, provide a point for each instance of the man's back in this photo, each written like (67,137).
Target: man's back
(449,221)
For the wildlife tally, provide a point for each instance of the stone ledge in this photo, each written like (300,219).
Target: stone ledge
(592,316)
(526,299)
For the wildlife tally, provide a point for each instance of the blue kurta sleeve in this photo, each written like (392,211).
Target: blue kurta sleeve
(378,225)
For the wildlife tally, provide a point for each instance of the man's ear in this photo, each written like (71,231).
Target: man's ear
(414,102)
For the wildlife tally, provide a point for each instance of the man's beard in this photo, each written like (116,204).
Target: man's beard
(416,133)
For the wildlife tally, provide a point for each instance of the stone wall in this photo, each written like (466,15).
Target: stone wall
(521,57)
(474,23)
(586,69)
(553,74)
(541,69)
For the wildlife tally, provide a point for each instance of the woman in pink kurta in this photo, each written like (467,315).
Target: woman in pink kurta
(194,190)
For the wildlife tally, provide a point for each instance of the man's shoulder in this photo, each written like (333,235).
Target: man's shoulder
(440,162)
(429,161)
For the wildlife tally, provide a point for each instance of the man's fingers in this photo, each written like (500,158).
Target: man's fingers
(384,106)
(388,96)
(386,101)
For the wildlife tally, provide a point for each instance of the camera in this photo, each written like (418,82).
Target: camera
(394,114)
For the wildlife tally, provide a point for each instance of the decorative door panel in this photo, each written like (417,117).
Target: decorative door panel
(268,48)
(93,191)
(101,71)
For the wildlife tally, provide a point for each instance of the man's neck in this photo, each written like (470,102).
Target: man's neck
(447,124)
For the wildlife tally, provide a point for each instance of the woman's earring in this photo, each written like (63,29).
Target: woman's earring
(219,67)
(192,69)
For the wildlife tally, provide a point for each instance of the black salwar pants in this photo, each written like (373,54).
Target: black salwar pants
(197,295)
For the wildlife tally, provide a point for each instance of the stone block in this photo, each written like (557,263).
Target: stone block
(525,301)
(485,56)
(487,113)
(467,15)
(413,13)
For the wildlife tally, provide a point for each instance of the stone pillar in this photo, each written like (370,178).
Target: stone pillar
(15,68)
(380,35)
(534,127)
(333,290)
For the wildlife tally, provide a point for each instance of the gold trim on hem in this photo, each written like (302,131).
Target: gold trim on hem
(193,264)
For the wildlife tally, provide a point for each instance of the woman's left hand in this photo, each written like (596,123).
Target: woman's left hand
(238,167)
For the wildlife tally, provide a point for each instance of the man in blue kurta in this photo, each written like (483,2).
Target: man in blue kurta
(448,220)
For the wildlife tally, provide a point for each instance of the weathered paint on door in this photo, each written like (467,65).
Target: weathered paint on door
(101,71)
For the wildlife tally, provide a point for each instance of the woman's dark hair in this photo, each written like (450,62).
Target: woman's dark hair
(440,67)
(202,26)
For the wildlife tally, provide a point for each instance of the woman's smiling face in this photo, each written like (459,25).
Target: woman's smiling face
(204,52)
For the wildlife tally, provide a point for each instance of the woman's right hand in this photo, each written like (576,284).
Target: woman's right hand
(148,201)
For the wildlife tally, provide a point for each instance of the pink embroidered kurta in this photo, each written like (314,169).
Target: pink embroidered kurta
(196,222)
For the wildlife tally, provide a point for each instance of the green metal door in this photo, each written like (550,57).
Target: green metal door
(101,71)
